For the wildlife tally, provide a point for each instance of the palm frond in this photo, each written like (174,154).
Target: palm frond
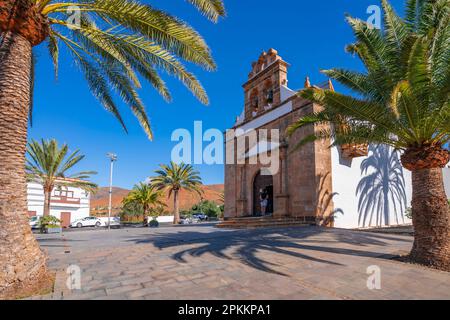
(395,28)
(119,41)
(212,9)
(48,164)
(53,49)
(403,96)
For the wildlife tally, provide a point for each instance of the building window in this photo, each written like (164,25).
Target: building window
(268,92)
(254,101)
(269,96)
(63,193)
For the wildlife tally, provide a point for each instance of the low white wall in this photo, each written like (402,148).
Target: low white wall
(163,219)
(370,191)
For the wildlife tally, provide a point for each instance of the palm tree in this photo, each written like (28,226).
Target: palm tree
(48,165)
(115,43)
(175,177)
(146,196)
(403,102)
(159,210)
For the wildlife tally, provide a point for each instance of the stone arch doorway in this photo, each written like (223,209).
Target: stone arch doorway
(264,182)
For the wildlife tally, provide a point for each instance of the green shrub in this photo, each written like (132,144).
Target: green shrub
(154,223)
(48,222)
(210,208)
(185,213)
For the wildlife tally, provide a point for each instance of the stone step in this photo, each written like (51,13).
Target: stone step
(258,219)
(244,223)
(254,226)
(263,222)
(268,218)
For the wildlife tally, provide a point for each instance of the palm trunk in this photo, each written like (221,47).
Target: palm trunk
(431,219)
(176,217)
(22,263)
(144,221)
(47,199)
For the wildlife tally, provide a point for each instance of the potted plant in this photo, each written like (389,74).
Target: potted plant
(153,223)
(50,224)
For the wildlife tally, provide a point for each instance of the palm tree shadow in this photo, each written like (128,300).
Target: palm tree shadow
(381,192)
(250,246)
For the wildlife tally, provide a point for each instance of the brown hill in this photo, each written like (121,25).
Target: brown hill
(99,201)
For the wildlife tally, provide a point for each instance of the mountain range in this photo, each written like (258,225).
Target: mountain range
(99,200)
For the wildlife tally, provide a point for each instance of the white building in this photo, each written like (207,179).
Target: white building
(374,190)
(447,180)
(67,203)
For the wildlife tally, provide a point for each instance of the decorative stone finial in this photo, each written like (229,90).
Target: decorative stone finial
(330,85)
(272,52)
(307,83)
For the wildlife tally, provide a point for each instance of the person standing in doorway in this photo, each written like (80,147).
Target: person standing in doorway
(263,197)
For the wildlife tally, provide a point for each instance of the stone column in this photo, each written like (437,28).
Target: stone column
(242,200)
(282,198)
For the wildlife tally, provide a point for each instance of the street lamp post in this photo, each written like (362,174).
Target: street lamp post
(112,157)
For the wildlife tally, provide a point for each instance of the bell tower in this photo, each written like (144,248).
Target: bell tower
(263,87)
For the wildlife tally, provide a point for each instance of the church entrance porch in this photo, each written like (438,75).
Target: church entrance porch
(262,189)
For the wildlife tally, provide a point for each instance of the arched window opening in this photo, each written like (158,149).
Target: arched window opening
(268,92)
(254,100)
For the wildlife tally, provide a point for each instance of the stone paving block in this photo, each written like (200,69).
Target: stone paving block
(136,280)
(139,293)
(88,295)
(126,268)
(123,289)
(112,297)
(195,276)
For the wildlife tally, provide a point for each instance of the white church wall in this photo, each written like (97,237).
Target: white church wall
(446,172)
(370,191)
(265,118)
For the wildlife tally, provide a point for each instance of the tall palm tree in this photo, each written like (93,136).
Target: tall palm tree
(146,196)
(115,43)
(402,101)
(48,165)
(175,177)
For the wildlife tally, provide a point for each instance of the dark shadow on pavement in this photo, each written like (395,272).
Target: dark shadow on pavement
(245,244)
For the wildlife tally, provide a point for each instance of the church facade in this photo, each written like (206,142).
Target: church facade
(347,186)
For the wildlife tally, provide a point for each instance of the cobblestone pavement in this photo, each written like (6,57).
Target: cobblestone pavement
(202,262)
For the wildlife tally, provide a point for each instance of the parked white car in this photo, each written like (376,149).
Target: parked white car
(114,222)
(86,222)
(189,220)
(34,222)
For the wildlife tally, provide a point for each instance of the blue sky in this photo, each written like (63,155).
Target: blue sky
(310,35)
